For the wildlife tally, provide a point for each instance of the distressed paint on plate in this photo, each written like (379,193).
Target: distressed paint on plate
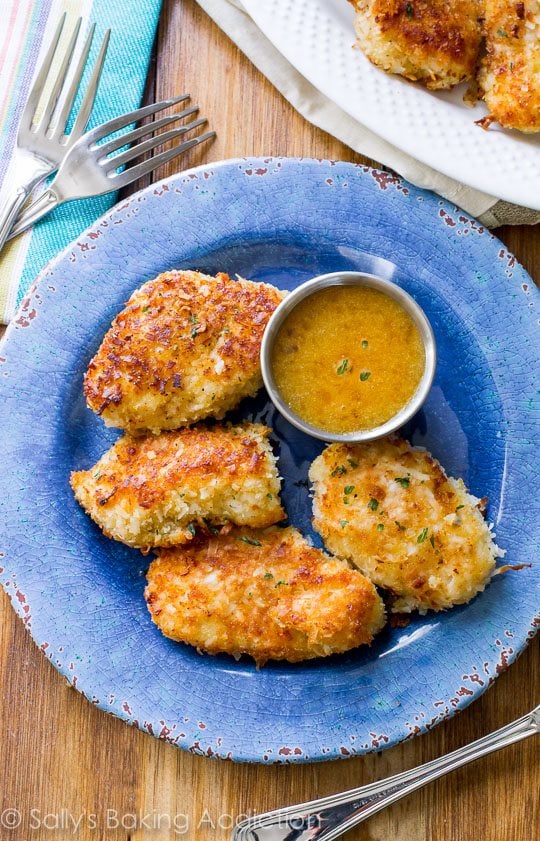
(282,221)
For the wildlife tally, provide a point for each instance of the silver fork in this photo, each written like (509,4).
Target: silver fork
(329,817)
(41,139)
(90,168)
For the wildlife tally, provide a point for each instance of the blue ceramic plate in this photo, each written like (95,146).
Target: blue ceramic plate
(283,221)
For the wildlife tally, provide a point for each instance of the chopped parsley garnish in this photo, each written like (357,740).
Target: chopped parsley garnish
(373,504)
(97,475)
(269,496)
(249,540)
(343,523)
(192,530)
(346,500)
(193,319)
(380,527)
(459,506)
(279,583)
(365,375)
(423,535)
(364,343)
(398,524)
(212,529)
(352,462)
(268,575)
(409,10)
(145,309)
(502,33)
(343,366)
(339,470)
(404,481)
(348,489)
(432,541)
(193,334)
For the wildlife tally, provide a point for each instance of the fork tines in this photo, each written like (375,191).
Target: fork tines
(112,162)
(52,119)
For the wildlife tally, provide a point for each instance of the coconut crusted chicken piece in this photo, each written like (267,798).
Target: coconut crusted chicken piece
(268,594)
(391,510)
(510,73)
(185,347)
(156,490)
(436,42)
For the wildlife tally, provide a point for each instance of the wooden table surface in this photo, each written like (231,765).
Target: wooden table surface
(64,761)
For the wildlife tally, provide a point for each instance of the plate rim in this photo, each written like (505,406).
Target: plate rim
(506,658)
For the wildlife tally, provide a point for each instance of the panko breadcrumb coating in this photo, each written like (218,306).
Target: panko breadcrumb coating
(185,347)
(436,42)
(157,490)
(268,594)
(391,510)
(510,73)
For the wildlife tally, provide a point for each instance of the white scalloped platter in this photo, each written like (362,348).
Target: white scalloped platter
(438,129)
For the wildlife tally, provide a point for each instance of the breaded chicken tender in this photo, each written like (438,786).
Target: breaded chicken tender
(391,510)
(510,72)
(185,347)
(436,42)
(268,594)
(156,490)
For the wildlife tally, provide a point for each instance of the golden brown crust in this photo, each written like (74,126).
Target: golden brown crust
(391,510)
(510,72)
(154,490)
(436,42)
(185,347)
(268,594)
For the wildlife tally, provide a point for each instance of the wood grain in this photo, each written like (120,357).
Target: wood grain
(60,753)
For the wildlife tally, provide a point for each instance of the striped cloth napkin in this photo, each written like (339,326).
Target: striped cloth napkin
(26,31)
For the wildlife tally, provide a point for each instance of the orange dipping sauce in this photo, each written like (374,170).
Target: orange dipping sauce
(348,358)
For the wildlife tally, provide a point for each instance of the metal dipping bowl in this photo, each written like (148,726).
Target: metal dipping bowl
(350,279)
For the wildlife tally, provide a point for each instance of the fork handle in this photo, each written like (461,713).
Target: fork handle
(23,173)
(34,212)
(329,817)
(9,211)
